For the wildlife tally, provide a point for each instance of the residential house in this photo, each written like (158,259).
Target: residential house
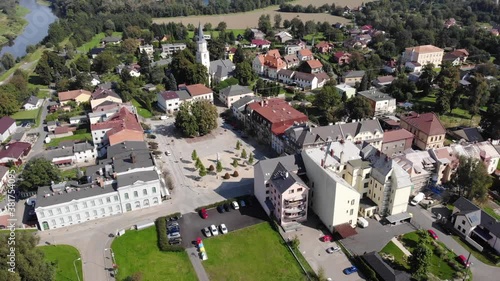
(350,78)
(324,47)
(346,90)
(314,66)
(221,70)
(273,182)
(380,103)
(4,176)
(449,23)
(456,57)
(78,153)
(233,93)
(396,141)
(476,226)
(283,36)
(306,80)
(123,182)
(383,81)
(63,131)
(466,134)
(484,151)
(269,64)
(32,103)
(15,153)
(383,270)
(94,52)
(286,76)
(421,166)
(107,109)
(51,126)
(422,55)
(170,101)
(77,96)
(170,48)
(199,92)
(446,163)
(342,58)
(7,128)
(390,66)
(100,95)
(305,55)
(323,77)
(257,34)
(428,130)
(238,107)
(300,137)
(359,41)
(110,40)
(148,49)
(121,126)
(79,119)
(291,61)
(293,49)
(261,43)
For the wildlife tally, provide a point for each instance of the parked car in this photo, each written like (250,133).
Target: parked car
(235,205)
(223,229)
(203,213)
(350,270)
(333,249)
(242,203)
(463,260)
(173,229)
(227,208)
(173,235)
(220,209)
(432,234)
(175,241)
(168,153)
(214,231)
(207,232)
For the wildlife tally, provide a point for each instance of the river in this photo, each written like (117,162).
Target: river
(39,19)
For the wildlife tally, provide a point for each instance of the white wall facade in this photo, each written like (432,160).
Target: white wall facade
(140,195)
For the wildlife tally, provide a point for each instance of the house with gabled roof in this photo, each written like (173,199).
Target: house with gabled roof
(314,66)
(101,95)
(32,103)
(268,64)
(305,55)
(428,130)
(350,78)
(396,141)
(342,58)
(77,96)
(233,93)
(7,128)
(121,126)
(291,61)
(324,47)
(15,153)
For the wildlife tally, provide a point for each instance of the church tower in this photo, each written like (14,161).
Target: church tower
(202,55)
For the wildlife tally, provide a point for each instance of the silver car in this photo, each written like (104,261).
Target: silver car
(207,232)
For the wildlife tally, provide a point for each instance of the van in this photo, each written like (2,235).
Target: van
(163,117)
(362,222)
(419,197)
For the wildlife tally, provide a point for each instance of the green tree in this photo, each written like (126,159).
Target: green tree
(207,26)
(39,172)
(448,78)
(328,97)
(235,163)
(420,261)
(194,155)
(478,94)
(244,73)
(216,48)
(238,145)
(426,79)
(130,45)
(442,104)
(196,118)
(243,154)
(82,64)
(358,108)
(264,23)
(239,55)
(8,102)
(203,170)
(222,26)
(8,61)
(277,21)
(490,121)
(198,164)
(218,168)
(105,62)
(185,121)
(472,179)
(295,242)
(250,159)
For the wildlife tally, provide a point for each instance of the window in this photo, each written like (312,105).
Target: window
(352,202)
(100,201)
(42,214)
(365,185)
(70,218)
(459,227)
(351,212)
(117,208)
(463,230)
(108,199)
(110,209)
(61,220)
(299,189)
(87,214)
(137,204)
(116,198)
(92,203)
(144,192)
(102,211)
(291,191)
(267,191)
(463,221)
(53,222)
(155,200)
(95,212)
(128,207)
(51,213)
(136,194)
(146,202)
(75,207)
(85,204)
(59,211)
(154,189)
(126,195)
(78,217)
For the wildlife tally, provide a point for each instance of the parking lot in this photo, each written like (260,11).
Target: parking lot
(192,224)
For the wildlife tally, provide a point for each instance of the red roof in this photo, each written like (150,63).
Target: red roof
(260,42)
(323,44)
(65,161)
(123,119)
(15,150)
(71,95)
(396,135)
(61,130)
(345,230)
(279,113)
(305,53)
(5,123)
(198,89)
(314,64)
(426,122)
(169,95)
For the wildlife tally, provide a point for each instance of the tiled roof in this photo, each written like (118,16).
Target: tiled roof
(61,130)
(286,72)
(385,79)
(426,122)
(198,89)
(305,53)
(304,76)
(354,73)
(424,49)
(314,64)
(277,112)
(71,95)
(236,90)
(5,123)
(102,93)
(396,135)
(260,42)
(121,120)
(291,58)
(169,95)
(323,44)
(15,150)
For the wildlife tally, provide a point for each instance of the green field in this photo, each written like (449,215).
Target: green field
(141,110)
(96,40)
(12,26)
(215,33)
(64,256)
(137,251)
(79,137)
(26,115)
(253,253)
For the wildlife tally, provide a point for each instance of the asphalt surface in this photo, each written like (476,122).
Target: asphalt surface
(192,224)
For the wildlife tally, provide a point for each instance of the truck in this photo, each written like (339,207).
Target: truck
(362,222)
(419,197)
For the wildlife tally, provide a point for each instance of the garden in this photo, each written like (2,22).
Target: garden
(66,259)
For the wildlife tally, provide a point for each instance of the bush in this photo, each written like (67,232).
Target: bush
(226,176)
(161,230)
(235,174)
(211,168)
(145,126)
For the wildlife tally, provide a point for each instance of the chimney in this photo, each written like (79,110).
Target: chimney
(132,157)
(286,174)
(322,163)
(331,152)
(101,182)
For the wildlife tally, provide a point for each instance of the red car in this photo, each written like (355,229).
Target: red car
(463,260)
(433,234)
(204,213)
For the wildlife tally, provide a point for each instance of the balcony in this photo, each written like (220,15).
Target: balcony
(293,204)
(288,217)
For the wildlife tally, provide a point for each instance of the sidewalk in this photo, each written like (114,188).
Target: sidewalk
(196,261)
(400,246)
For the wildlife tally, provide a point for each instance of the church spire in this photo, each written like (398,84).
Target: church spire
(201,37)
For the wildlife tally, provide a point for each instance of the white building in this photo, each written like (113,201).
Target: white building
(234,93)
(202,54)
(32,103)
(293,49)
(171,48)
(148,49)
(346,90)
(170,101)
(423,55)
(381,103)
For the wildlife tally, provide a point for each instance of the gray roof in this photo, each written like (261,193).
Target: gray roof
(131,178)
(469,134)
(354,73)
(286,72)
(236,90)
(375,95)
(32,100)
(79,117)
(244,101)
(52,123)
(385,271)
(72,192)
(284,179)
(56,153)
(343,130)
(304,76)
(83,146)
(359,163)
(221,68)
(302,135)
(110,39)
(183,95)
(291,163)
(477,216)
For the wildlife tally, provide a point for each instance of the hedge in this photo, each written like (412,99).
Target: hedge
(228,201)
(161,230)
(366,269)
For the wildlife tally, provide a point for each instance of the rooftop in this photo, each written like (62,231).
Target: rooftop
(46,197)
(314,64)
(5,123)
(423,49)
(236,90)
(133,178)
(396,135)
(198,89)
(283,179)
(426,122)
(292,163)
(375,95)
(71,95)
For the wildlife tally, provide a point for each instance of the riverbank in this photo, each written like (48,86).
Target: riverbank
(250,19)
(12,27)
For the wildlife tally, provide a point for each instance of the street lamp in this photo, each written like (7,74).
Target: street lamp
(76,271)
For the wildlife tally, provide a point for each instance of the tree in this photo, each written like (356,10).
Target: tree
(196,118)
(328,97)
(203,171)
(238,145)
(197,163)
(216,48)
(105,62)
(218,167)
(207,26)
(358,108)
(265,23)
(82,64)
(235,163)
(277,21)
(244,73)
(295,242)
(8,102)
(472,179)
(30,263)
(130,45)
(442,104)
(239,55)
(39,172)
(194,155)
(426,80)
(8,61)
(243,154)
(490,121)
(448,78)
(420,261)
(222,26)
(185,121)
(250,159)
(478,94)
(170,82)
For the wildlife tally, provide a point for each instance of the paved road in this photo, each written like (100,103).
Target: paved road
(196,261)
(426,220)
(38,148)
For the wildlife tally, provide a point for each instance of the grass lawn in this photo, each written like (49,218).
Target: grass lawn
(71,173)
(12,26)
(399,256)
(79,137)
(26,115)
(317,37)
(457,117)
(478,255)
(215,33)
(137,251)
(141,110)
(491,212)
(96,40)
(253,253)
(64,256)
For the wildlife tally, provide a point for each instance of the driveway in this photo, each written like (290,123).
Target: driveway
(192,224)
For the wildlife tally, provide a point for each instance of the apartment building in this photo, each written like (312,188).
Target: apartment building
(396,142)
(422,55)
(421,167)
(380,103)
(169,49)
(428,130)
(119,127)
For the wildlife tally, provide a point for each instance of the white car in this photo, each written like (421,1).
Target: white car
(223,228)
(214,231)
(207,232)
(235,205)
(333,249)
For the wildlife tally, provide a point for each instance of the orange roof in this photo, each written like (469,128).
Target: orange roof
(279,113)
(122,120)
(198,89)
(274,52)
(261,58)
(323,44)
(274,62)
(116,137)
(71,95)
(314,64)
(305,53)
(61,130)
(396,135)
(425,49)
(426,122)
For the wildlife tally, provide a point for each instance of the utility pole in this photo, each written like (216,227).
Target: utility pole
(467,266)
